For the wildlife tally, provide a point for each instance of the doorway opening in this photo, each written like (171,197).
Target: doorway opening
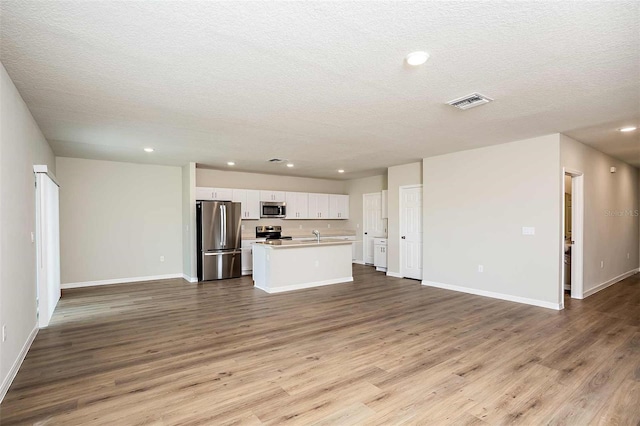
(572,235)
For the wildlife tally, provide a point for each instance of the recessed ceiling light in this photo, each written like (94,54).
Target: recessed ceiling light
(148,150)
(417,58)
(289,164)
(628,129)
(340,171)
(230,163)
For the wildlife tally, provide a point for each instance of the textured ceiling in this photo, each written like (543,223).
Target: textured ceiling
(320,83)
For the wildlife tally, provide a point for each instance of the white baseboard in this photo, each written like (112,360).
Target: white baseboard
(381,269)
(609,283)
(121,281)
(189,279)
(306,285)
(501,296)
(393,274)
(359,262)
(6,382)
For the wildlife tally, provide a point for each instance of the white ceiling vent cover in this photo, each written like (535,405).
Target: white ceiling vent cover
(470,101)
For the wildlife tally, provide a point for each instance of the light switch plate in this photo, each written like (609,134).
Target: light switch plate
(528,230)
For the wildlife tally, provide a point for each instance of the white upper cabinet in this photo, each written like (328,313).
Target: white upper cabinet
(297,205)
(338,206)
(204,193)
(300,205)
(318,206)
(218,194)
(272,195)
(250,200)
(223,194)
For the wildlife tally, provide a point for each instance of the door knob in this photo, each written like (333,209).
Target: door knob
(403,237)
(366,233)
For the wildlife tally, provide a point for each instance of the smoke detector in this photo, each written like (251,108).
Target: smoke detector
(470,101)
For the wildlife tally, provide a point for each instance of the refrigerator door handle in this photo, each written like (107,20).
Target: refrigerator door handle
(223,216)
(223,253)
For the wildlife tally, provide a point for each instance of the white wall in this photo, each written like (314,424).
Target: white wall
(475,205)
(117,219)
(242,180)
(610,218)
(22,145)
(397,176)
(189,222)
(356,188)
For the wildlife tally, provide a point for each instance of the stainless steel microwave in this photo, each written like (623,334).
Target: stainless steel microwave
(273,209)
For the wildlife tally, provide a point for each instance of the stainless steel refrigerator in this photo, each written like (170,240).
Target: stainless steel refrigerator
(218,240)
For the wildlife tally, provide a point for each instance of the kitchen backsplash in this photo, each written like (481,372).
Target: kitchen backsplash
(299,227)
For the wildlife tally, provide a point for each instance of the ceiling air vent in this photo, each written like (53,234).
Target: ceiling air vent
(470,101)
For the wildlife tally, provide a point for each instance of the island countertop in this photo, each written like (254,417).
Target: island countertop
(281,244)
(303,264)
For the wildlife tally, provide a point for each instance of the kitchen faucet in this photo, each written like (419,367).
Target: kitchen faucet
(317,234)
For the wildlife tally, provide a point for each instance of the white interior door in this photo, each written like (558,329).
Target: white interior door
(373,225)
(47,247)
(411,232)
(576,258)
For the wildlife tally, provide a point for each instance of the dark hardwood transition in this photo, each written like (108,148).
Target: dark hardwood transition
(379,350)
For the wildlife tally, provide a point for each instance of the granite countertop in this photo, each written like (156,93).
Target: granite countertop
(305,233)
(277,244)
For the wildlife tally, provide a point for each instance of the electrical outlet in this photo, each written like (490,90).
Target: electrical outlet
(480,268)
(4,333)
(328,225)
(33,238)
(161,258)
(242,227)
(357,225)
(300,226)
(601,264)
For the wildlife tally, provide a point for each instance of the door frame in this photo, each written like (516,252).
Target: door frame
(364,219)
(400,250)
(577,235)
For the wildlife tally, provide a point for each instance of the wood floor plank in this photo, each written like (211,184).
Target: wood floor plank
(380,350)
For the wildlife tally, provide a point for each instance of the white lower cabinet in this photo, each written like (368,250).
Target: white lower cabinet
(380,254)
(247,256)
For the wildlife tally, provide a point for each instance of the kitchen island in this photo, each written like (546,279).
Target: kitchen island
(284,265)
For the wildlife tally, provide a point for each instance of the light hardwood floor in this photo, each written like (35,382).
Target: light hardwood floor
(379,350)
